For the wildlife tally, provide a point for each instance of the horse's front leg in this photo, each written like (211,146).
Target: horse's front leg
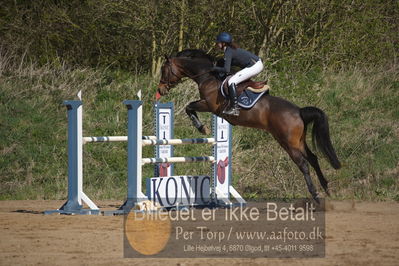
(192,109)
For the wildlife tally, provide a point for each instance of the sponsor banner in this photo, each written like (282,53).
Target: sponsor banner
(179,190)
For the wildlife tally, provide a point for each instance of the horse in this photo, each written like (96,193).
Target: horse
(285,121)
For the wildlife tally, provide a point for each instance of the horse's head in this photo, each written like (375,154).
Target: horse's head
(187,63)
(171,74)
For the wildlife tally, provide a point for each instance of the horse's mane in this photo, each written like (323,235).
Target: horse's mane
(202,59)
(195,54)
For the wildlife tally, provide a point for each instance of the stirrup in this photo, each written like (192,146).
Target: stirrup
(234,110)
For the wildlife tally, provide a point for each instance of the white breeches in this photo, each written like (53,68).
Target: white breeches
(246,73)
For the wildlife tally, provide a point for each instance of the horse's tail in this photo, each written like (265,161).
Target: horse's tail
(320,133)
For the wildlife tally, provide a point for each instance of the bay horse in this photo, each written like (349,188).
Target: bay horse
(284,120)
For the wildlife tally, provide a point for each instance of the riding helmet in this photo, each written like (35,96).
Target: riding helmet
(224,37)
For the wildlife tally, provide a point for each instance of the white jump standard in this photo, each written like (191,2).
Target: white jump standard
(76,196)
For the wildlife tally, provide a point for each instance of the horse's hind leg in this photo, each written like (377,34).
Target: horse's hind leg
(192,109)
(300,160)
(314,162)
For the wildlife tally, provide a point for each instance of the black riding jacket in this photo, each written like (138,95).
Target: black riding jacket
(236,57)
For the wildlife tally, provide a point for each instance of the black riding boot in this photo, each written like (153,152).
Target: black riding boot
(233,108)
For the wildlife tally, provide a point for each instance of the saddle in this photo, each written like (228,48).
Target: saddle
(248,92)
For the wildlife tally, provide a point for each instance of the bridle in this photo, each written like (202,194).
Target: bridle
(168,84)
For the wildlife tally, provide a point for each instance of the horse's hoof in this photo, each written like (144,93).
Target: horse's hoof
(317,199)
(327,192)
(204,130)
(324,185)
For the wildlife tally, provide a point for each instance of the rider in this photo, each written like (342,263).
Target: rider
(250,64)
